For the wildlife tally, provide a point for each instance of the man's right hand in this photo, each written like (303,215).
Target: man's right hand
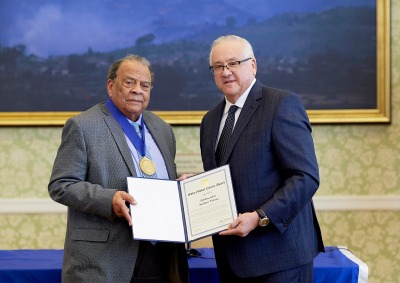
(119,205)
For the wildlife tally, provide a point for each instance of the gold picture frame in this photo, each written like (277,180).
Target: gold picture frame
(380,114)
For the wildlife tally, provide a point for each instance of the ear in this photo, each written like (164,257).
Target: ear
(110,84)
(254,66)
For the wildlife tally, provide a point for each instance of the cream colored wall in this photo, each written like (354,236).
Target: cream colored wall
(360,160)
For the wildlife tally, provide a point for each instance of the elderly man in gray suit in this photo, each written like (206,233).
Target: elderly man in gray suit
(99,149)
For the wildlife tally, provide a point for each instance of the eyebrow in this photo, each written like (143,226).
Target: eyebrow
(232,59)
(136,79)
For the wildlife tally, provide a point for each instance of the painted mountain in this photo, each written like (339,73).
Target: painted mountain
(54,55)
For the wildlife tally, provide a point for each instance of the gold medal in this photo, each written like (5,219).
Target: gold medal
(147,166)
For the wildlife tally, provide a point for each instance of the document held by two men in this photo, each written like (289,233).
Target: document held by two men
(182,211)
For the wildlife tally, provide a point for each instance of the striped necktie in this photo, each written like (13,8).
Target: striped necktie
(225,135)
(147,154)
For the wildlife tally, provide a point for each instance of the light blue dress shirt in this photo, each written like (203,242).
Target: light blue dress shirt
(155,153)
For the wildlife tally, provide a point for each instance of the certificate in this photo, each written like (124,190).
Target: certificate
(182,211)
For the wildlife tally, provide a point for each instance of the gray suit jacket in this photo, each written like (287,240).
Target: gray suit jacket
(273,164)
(93,162)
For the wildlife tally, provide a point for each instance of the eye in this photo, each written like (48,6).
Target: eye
(145,86)
(128,83)
(218,67)
(233,64)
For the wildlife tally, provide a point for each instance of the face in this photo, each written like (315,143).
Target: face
(235,81)
(130,91)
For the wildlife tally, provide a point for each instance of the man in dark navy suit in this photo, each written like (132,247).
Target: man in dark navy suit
(274,169)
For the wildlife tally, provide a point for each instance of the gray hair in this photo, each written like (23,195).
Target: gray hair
(246,45)
(112,72)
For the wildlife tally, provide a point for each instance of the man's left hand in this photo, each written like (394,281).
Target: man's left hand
(242,225)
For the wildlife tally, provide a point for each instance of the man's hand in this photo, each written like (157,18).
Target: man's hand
(119,205)
(184,176)
(242,225)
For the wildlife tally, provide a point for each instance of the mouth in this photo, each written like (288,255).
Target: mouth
(133,101)
(228,81)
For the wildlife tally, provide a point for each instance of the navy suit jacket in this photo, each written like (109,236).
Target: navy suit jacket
(273,164)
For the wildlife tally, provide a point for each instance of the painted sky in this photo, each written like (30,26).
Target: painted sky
(59,27)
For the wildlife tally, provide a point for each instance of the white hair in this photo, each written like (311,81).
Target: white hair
(246,45)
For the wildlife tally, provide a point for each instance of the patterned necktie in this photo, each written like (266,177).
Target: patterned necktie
(147,154)
(225,135)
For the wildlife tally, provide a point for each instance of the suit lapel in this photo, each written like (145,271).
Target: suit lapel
(247,112)
(120,140)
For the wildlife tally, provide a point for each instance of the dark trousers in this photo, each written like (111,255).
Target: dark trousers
(151,263)
(161,263)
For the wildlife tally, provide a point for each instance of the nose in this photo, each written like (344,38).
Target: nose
(136,88)
(226,67)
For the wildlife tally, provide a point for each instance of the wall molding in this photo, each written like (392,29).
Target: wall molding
(322,203)
(30,205)
(348,202)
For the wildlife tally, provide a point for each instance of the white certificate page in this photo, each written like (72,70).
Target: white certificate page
(158,213)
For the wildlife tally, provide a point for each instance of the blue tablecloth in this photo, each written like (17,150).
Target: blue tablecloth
(336,265)
(17,266)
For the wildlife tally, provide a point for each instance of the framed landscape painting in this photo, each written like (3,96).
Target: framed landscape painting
(54,56)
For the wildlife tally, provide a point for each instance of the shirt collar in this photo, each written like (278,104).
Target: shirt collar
(242,99)
(138,122)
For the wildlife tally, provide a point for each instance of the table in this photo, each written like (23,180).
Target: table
(338,264)
(30,266)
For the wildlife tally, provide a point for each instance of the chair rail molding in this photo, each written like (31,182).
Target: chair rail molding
(322,203)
